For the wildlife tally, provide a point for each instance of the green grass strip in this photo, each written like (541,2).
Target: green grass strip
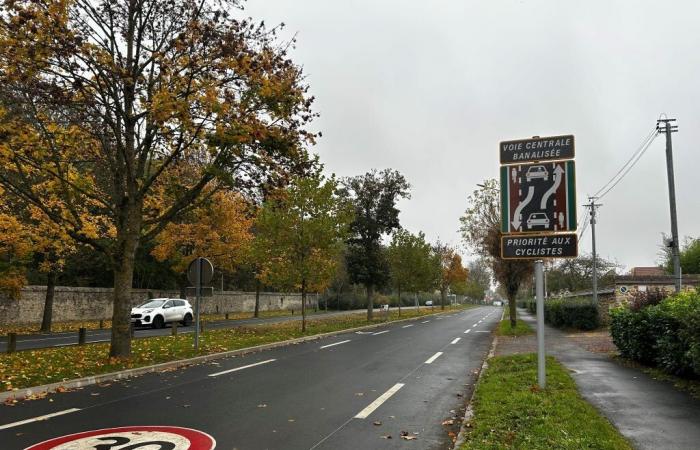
(510,412)
(37,367)
(521,328)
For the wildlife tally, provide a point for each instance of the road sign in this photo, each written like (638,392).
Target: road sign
(538,197)
(537,149)
(539,246)
(206,268)
(136,437)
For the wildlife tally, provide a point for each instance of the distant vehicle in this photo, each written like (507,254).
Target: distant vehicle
(498,303)
(536,172)
(159,311)
(537,219)
(429,303)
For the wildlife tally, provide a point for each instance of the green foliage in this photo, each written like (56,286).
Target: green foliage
(689,256)
(665,335)
(300,233)
(374,196)
(510,412)
(578,314)
(410,262)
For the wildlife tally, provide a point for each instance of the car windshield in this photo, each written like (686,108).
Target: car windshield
(152,304)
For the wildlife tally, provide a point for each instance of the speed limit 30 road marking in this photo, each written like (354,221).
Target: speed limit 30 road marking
(131,438)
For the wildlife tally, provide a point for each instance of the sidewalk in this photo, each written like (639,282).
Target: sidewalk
(652,414)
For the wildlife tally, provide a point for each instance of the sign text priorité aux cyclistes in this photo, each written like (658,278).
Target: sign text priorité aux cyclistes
(539,246)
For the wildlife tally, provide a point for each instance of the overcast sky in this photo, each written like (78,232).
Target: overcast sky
(430,88)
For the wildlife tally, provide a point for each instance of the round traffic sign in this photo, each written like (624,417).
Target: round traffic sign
(131,438)
(206,271)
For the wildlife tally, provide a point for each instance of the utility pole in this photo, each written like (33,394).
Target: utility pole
(592,206)
(669,128)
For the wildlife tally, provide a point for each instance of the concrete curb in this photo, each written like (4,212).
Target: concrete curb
(22,394)
(469,413)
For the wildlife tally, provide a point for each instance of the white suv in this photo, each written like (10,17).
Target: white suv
(159,311)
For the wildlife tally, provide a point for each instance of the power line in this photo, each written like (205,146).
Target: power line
(630,166)
(586,221)
(637,154)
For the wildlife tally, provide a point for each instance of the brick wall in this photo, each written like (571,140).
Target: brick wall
(75,303)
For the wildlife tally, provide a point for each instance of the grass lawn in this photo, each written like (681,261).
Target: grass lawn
(521,328)
(511,412)
(36,367)
(57,327)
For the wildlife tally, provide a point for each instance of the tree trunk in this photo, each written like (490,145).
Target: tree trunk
(399,292)
(256,314)
(370,302)
(48,302)
(512,312)
(127,242)
(443,295)
(303,306)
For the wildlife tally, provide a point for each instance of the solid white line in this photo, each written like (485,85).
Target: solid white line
(455,340)
(425,321)
(466,332)
(406,326)
(36,419)
(481,331)
(62,345)
(378,402)
(335,343)
(241,368)
(433,358)
(380,332)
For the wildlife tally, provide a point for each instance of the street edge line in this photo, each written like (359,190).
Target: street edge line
(23,393)
(469,412)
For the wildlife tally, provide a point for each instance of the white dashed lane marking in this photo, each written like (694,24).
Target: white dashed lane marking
(433,358)
(378,402)
(455,340)
(36,419)
(335,343)
(241,368)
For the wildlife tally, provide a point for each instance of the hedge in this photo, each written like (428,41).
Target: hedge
(666,335)
(579,314)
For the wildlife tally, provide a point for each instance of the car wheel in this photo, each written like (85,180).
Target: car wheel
(187,320)
(158,322)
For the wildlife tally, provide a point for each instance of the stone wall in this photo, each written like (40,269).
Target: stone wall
(75,303)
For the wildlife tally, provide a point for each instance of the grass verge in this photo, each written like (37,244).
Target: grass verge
(36,367)
(58,327)
(521,328)
(510,411)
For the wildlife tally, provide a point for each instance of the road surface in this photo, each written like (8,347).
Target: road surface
(45,340)
(350,391)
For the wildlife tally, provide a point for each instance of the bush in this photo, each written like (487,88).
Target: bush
(651,297)
(666,335)
(579,314)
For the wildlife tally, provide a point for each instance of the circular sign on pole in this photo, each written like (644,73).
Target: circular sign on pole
(206,268)
(131,438)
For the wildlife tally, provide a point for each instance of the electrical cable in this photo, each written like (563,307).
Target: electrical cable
(649,137)
(630,167)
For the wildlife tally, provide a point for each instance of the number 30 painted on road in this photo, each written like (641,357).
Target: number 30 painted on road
(131,438)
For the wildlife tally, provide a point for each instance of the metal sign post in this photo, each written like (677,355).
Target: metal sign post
(200,272)
(539,288)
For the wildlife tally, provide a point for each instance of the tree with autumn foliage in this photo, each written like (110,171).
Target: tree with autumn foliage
(451,272)
(117,118)
(300,233)
(218,229)
(481,230)
(410,263)
(15,250)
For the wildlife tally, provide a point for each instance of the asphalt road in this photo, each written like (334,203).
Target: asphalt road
(35,341)
(322,394)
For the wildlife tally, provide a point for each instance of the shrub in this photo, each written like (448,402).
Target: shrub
(642,299)
(579,314)
(666,334)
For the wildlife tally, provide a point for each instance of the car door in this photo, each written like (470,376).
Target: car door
(169,311)
(180,310)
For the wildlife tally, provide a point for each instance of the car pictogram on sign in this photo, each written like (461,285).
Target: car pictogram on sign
(132,438)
